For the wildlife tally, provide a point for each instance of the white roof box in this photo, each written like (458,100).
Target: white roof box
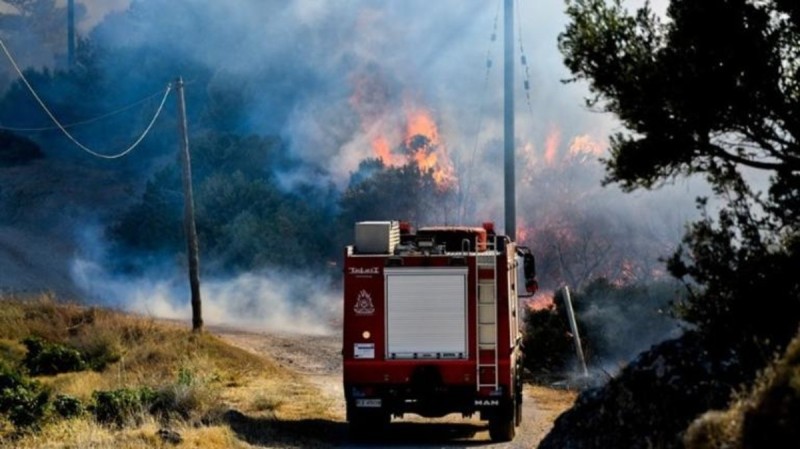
(377,237)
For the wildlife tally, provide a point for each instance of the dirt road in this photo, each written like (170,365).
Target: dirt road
(318,359)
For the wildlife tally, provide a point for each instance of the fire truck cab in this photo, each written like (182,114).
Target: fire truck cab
(432,324)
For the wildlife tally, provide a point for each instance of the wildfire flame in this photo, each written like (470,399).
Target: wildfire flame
(542,300)
(381,148)
(581,147)
(523,230)
(551,144)
(422,146)
(585,145)
(400,132)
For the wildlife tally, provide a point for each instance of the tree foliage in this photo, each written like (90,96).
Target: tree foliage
(720,101)
(695,98)
(245,219)
(380,192)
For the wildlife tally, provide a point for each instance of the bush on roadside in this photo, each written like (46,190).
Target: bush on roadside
(190,397)
(44,358)
(23,401)
(68,406)
(121,407)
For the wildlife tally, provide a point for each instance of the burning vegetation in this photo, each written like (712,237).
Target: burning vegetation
(283,173)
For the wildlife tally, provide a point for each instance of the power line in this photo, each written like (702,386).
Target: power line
(84,122)
(63,129)
(526,84)
(481,113)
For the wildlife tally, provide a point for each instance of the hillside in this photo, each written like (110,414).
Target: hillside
(46,209)
(195,383)
(153,383)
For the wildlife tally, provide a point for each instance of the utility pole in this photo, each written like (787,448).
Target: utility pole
(188,215)
(508,138)
(71,33)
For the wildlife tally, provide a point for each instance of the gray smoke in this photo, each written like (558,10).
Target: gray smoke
(331,77)
(272,300)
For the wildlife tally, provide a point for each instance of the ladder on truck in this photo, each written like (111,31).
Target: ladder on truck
(486,287)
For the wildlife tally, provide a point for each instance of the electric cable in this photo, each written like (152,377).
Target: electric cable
(86,121)
(481,113)
(526,84)
(63,129)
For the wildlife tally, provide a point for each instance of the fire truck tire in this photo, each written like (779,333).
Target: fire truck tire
(518,403)
(502,427)
(367,425)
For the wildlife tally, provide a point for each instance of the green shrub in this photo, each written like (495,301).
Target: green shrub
(45,358)
(68,406)
(25,402)
(123,406)
(100,353)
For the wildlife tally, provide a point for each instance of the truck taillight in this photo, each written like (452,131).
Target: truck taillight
(366,335)
(363,391)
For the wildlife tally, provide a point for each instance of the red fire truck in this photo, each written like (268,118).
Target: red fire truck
(432,324)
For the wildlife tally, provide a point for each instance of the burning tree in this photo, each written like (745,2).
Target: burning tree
(407,192)
(581,231)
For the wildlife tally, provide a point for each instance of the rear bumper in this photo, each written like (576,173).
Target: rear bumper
(424,388)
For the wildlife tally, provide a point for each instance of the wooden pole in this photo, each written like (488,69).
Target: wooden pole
(188,216)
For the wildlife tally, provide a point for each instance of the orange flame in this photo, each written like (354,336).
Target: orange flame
(429,154)
(382,124)
(523,230)
(551,145)
(585,145)
(420,123)
(542,300)
(423,147)
(381,148)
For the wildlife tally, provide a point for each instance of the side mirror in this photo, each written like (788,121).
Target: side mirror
(528,265)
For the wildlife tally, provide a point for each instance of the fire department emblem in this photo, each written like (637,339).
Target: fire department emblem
(364,304)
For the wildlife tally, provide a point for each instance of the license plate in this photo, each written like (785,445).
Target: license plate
(368,403)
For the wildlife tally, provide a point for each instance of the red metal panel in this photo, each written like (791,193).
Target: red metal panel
(364,310)
(363,304)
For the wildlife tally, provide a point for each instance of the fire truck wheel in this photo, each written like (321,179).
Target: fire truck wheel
(367,425)
(502,428)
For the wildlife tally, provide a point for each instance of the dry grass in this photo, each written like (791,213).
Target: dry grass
(715,430)
(202,374)
(767,413)
(284,398)
(552,399)
(85,433)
